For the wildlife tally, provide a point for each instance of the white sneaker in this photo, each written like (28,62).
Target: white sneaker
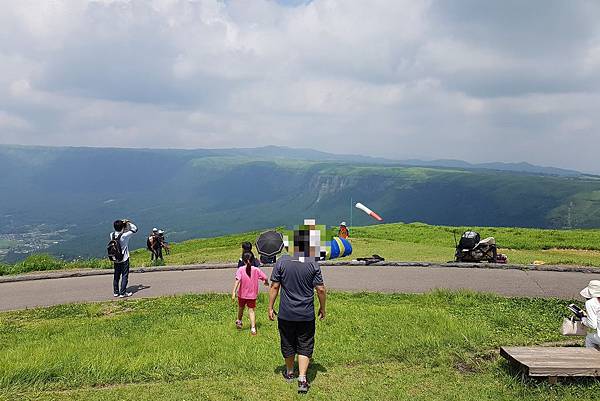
(126,295)
(115,294)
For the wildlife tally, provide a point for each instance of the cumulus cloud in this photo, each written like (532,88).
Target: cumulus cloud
(474,80)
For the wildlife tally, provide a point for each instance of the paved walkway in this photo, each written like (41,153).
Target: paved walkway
(27,294)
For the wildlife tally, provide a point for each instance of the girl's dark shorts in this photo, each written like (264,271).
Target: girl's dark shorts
(250,303)
(296,337)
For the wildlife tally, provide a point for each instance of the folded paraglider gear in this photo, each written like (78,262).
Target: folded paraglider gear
(471,248)
(340,248)
(371,260)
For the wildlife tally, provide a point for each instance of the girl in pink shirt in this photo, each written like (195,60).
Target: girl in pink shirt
(246,286)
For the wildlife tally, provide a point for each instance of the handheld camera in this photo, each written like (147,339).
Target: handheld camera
(577,311)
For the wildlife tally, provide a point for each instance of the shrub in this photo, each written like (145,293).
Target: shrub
(38,262)
(5,269)
(89,264)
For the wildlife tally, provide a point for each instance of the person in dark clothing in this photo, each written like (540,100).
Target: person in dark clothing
(296,279)
(151,243)
(247,248)
(155,243)
(163,243)
(123,229)
(157,248)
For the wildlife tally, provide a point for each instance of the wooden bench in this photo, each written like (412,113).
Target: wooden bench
(554,362)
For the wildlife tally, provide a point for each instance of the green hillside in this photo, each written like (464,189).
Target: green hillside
(63,200)
(398,242)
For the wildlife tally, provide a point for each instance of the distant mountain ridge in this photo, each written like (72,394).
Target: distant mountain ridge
(522,167)
(316,155)
(285,152)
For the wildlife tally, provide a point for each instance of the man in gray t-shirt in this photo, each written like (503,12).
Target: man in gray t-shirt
(296,279)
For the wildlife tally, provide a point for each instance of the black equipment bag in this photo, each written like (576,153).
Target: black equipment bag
(469,240)
(267,259)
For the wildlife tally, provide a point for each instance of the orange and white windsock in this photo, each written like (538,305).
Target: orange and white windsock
(368,211)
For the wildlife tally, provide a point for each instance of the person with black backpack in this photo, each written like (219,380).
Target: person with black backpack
(118,253)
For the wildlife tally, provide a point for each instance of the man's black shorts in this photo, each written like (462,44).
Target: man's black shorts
(296,337)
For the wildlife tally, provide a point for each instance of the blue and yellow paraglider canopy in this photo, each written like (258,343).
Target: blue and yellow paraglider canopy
(339,248)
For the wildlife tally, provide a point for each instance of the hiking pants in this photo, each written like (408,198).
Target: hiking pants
(121,272)
(592,340)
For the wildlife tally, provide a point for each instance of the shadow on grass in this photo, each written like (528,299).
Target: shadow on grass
(313,370)
(137,288)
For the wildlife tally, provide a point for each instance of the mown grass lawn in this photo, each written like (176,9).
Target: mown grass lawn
(438,346)
(397,242)
(417,243)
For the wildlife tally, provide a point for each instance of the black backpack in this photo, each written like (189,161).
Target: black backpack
(113,249)
(469,240)
(267,259)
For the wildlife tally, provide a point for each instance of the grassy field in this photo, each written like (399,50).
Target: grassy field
(399,242)
(421,242)
(439,346)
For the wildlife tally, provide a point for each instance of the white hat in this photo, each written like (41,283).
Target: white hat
(343,223)
(592,290)
(161,232)
(154,229)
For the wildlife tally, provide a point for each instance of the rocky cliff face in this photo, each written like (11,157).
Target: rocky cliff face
(327,186)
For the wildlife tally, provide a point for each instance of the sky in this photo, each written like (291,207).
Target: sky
(475,80)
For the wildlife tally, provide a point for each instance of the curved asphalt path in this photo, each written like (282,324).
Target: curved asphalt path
(506,282)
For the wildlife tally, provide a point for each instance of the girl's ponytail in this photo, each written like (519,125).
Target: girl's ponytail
(247,258)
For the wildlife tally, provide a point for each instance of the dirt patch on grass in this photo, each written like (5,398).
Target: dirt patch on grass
(565,343)
(580,252)
(114,309)
(476,363)
(556,251)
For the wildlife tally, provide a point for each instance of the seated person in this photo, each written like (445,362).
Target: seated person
(592,308)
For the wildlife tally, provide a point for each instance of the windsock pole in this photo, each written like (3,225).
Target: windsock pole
(368,211)
(351,203)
